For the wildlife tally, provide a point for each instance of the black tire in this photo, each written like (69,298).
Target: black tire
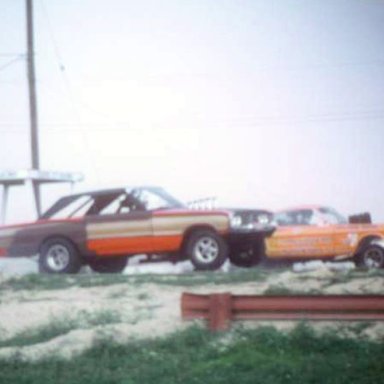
(372,257)
(58,256)
(247,256)
(108,265)
(244,258)
(207,250)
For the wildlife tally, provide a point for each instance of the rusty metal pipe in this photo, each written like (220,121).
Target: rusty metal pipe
(308,303)
(220,309)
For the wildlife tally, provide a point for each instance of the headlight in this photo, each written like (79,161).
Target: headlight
(235,221)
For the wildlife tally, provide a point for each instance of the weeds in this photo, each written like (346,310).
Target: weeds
(60,326)
(53,282)
(143,296)
(256,356)
(281,290)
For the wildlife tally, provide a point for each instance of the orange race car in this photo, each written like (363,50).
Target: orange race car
(321,232)
(317,232)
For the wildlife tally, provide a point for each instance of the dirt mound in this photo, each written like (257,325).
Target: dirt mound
(38,323)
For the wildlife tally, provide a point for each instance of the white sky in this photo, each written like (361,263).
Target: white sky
(260,103)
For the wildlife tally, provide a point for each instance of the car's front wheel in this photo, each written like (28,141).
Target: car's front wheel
(371,257)
(245,258)
(207,250)
(108,264)
(59,255)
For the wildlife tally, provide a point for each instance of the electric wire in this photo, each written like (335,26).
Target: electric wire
(68,87)
(11,62)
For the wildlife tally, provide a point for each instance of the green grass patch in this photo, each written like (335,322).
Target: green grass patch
(280,290)
(60,326)
(196,356)
(53,282)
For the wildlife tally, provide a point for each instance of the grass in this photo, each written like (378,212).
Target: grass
(53,282)
(196,356)
(280,290)
(60,326)
(36,282)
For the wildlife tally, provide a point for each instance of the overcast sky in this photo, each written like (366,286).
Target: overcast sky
(261,103)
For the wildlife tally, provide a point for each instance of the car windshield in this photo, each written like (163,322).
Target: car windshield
(112,202)
(153,198)
(297,217)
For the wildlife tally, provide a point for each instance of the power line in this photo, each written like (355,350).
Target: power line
(239,122)
(11,62)
(9,54)
(67,83)
(53,37)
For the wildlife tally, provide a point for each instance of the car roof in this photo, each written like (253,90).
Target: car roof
(113,192)
(300,208)
(100,192)
(110,191)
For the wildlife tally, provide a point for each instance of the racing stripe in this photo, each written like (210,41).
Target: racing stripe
(119,229)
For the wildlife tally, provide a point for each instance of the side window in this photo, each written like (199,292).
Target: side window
(284,219)
(151,200)
(124,203)
(300,217)
(77,208)
(304,217)
(115,207)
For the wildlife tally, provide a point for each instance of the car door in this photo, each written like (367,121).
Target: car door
(345,238)
(120,234)
(300,241)
(298,237)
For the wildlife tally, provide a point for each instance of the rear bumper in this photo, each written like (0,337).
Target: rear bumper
(17,251)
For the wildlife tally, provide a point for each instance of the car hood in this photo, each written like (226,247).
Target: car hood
(191,212)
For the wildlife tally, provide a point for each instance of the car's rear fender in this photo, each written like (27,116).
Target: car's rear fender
(27,241)
(368,240)
(59,237)
(379,242)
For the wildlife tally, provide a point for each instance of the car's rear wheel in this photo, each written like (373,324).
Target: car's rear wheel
(59,255)
(108,264)
(207,250)
(371,257)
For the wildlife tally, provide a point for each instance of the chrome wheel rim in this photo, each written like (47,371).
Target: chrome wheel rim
(57,257)
(374,258)
(206,250)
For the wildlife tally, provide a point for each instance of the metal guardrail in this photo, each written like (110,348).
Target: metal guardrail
(220,309)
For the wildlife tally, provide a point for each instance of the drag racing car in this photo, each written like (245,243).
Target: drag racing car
(315,232)
(321,232)
(103,229)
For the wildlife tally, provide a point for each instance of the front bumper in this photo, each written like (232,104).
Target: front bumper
(246,234)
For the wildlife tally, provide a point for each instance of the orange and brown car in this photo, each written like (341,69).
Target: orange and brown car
(321,232)
(103,228)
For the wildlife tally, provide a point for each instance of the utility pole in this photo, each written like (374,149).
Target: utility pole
(33,103)
(33,177)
